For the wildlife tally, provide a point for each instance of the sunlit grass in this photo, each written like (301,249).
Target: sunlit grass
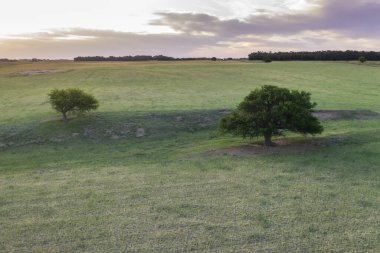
(91,185)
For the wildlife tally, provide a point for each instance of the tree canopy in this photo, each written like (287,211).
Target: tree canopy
(362,59)
(67,101)
(271,110)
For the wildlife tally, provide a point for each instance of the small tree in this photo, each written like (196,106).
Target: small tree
(270,111)
(267,59)
(213,59)
(362,59)
(72,101)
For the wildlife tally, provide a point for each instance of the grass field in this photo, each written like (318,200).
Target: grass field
(92,185)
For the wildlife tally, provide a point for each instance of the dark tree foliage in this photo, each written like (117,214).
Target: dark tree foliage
(136,58)
(267,59)
(269,111)
(315,56)
(213,59)
(72,101)
(7,60)
(362,59)
(113,58)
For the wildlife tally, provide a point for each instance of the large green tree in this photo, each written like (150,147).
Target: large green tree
(76,101)
(271,110)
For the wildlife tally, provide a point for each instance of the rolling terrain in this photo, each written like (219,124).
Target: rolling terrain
(149,172)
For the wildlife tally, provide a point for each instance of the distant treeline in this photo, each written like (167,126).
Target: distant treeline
(137,58)
(23,60)
(7,60)
(315,56)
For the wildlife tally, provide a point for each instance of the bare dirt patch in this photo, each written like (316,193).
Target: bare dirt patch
(325,115)
(281,147)
(3,146)
(38,72)
(140,132)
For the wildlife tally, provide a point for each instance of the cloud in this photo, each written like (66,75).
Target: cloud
(69,43)
(192,23)
(325,24)
(356,18)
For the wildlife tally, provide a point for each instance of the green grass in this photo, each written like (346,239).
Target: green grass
(91,185)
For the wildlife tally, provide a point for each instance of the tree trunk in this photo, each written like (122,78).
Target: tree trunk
(64,116)
(268,140)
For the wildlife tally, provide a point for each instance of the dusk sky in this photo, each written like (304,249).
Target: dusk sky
(184,28)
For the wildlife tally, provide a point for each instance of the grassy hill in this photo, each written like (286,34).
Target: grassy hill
(148,172)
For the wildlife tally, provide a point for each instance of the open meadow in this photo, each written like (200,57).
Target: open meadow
(149,172)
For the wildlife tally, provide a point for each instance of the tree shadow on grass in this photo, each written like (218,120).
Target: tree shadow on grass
(355,154)
(118,125)
(107,138)
(112,126)
(326,115)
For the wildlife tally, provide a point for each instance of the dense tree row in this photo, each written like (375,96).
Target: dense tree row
(136,58)
(25,60)
(315,56)
(6,60)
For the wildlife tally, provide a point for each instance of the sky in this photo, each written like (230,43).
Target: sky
(184,28)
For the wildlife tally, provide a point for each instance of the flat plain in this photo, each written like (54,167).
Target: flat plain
(149,172)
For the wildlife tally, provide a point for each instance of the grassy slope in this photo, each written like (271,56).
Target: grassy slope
(92,186)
